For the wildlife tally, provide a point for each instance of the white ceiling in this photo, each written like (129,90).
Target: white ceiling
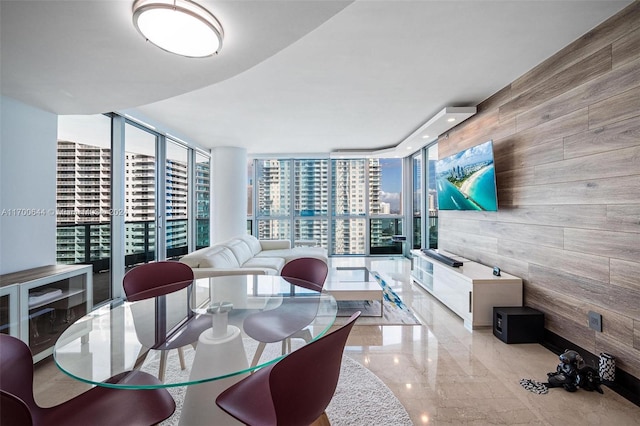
(299,76)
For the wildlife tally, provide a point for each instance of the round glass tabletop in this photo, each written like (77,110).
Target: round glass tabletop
(132,335)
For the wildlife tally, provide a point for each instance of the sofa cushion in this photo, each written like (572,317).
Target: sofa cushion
(193,259)
(219,257)
(296,252)
(275,244)
(252,242)
(240,249)
(265,262)
(317,252)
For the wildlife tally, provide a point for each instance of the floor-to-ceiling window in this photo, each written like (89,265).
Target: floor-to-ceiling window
(349,206)
(311,202)
(416,186)
(273,203)
(385,205)
(250,179)
(140,195)
(98,167)
(176,199)
(83,197)
(425,198)
(432,198)
(203,196)
(349,198)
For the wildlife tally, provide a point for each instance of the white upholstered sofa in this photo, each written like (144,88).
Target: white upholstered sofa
(247,255)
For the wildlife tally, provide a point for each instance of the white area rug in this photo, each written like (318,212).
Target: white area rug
(361,398)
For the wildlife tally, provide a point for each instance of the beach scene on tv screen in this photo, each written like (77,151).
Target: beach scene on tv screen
(467,180)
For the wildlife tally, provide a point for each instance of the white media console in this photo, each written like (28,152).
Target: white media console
(471,290)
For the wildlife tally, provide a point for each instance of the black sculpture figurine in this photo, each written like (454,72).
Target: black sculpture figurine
(572,373)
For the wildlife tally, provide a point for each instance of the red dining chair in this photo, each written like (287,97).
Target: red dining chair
(275,325)
(98,406)
(294,391)
(307,269)
(159,279)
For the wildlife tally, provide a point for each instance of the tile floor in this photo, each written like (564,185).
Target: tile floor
(442,373)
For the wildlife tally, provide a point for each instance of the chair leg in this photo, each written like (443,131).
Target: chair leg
(142,355)
(303,334)
(259,351)
(163,365)
(181,356)
(323,420)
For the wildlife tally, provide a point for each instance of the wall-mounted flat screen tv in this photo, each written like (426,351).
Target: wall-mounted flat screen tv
(467,180)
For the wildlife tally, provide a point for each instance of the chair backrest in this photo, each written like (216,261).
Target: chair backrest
(16,369)
(155,279)
(13,410)
(308,269)
(303,383)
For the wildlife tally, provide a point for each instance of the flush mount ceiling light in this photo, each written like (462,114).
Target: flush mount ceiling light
(178,26)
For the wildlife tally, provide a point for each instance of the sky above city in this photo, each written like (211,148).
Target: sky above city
(391,182)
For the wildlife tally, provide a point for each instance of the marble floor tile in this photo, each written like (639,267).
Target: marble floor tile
(441,372)
(447,375)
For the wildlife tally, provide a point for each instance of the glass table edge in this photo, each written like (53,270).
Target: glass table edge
(250,369)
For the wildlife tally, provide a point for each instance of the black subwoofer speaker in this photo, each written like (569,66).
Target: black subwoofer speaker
(518,324)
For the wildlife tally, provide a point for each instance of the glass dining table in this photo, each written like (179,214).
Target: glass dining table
(121,337)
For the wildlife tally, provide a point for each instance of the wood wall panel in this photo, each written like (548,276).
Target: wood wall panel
(607,33)
(567,157)
(624,301)
(596,191)
(583,168)
(616,108)
(573,285)
(624,217)
(581,335)
(618,135)
(616,326)
(494,101)
(547,236)
(583,216)
(574,122)
(596,90)
(625,274)
(580,264)
(560,315)
(611,244)
(573,76)
(626,49)
(520,155)
(513,177)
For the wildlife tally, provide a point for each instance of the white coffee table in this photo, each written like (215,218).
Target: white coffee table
(343,286)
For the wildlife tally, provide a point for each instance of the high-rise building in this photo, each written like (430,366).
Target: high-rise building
(311,195)
(83,191)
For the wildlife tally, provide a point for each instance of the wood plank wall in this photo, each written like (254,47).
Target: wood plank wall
(567,158)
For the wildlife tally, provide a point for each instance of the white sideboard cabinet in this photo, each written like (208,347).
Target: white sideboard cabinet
(471,290)
(37,305)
